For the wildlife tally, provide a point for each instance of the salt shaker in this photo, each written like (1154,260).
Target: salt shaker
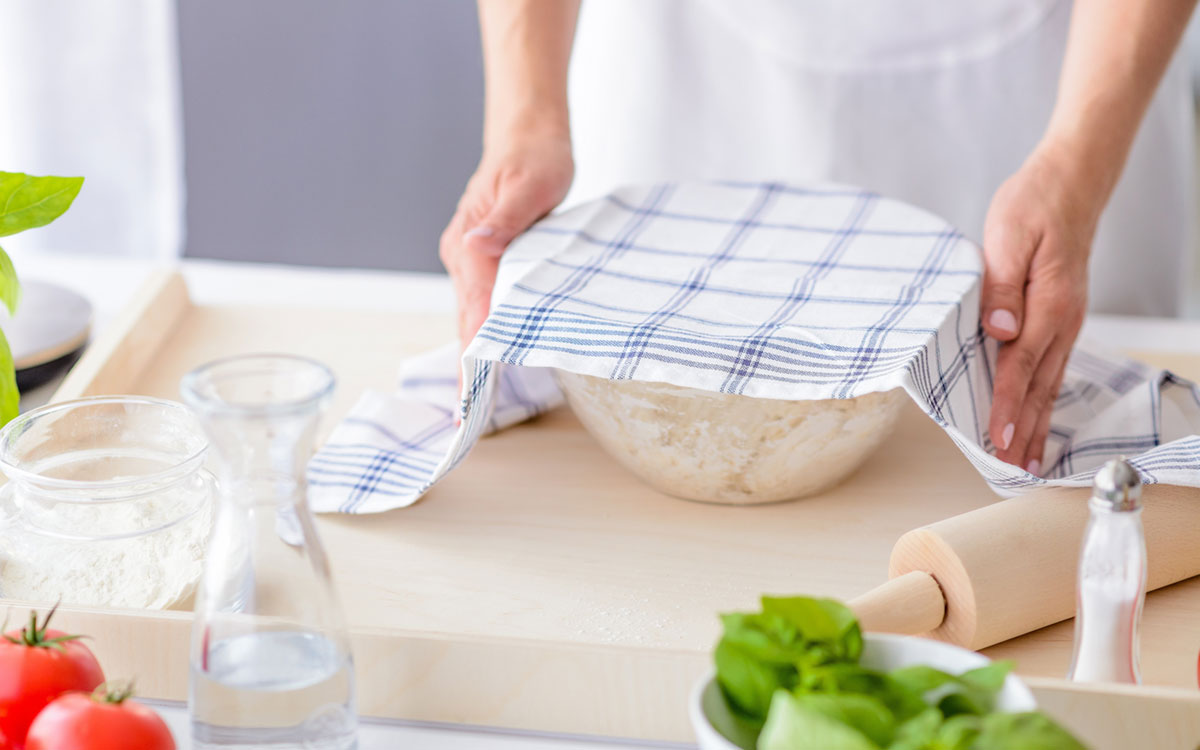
(1112,580)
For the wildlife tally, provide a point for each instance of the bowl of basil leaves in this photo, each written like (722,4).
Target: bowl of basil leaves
(801,675)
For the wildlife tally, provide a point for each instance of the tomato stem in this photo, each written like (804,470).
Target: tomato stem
(34,635)
(115,692)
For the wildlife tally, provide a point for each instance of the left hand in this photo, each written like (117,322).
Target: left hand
(1036,243)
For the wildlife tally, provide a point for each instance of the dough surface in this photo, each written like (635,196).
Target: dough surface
(724,448)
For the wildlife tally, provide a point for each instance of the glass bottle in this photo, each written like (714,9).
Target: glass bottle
(1112,580)
(270,658)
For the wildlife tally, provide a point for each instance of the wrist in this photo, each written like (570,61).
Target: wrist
(514,124)
(1085,170)
(1092,150)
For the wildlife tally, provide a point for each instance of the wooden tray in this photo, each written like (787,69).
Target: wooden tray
(542,586)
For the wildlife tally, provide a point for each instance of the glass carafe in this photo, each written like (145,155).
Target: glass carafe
(270,659)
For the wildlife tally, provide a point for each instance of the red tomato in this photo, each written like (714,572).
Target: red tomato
(79,721)
(36,666)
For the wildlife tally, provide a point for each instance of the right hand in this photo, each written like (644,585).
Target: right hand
(513,187)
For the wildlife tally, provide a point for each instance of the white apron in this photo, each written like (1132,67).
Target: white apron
(934,102)
(92,89)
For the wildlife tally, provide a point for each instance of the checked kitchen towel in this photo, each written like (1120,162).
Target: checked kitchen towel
(765,290)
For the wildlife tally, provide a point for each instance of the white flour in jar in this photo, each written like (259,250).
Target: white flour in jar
(152,570)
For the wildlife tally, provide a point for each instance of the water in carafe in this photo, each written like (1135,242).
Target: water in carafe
(270,660)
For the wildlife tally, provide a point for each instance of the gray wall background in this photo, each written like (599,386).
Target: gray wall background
(338,132)
(327,133)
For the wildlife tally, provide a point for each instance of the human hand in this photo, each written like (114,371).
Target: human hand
(512,188)
(1036,243)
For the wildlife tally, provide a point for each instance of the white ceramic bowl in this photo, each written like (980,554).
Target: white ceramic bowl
(882,652)
(727,448)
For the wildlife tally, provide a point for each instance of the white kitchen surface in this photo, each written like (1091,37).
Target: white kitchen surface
(109,282)
(381,735)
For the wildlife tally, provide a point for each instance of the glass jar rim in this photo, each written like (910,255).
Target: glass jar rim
(11,432)
(193,392)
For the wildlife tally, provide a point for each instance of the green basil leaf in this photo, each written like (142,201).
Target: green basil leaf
(853,678)
(989,679)
(964,702)
(821,620)
(841,677)
(732,725)
(1023,731)
(958,733)
(27,202)
(902,702)
(10,398)
(921,679)
(765,637)
(790,726)
(919,731)
(746,682)
(863,712)
(972,692)
(10,286)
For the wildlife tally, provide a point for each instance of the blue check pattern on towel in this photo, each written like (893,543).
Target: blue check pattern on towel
(765,290)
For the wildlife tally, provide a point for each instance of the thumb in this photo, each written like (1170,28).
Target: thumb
(512,213)
(1006,255)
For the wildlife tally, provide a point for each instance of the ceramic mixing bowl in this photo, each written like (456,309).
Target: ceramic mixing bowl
(725,448)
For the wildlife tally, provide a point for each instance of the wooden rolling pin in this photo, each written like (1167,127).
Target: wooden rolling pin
(1010,568)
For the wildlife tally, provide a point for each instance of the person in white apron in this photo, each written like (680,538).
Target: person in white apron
(1080,189)
(92,90)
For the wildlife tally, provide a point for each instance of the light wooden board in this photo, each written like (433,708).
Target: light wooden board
(541,585)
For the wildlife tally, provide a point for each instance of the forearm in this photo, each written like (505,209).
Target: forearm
(1117,52)
(526,49)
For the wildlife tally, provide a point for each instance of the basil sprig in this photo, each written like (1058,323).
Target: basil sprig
(26,202)
(791,679)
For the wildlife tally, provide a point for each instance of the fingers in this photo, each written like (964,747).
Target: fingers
(1037,238)
(1035,455)
(1029,437)
(514,211)
(503,198)
(492,212)
(1017,364)
(1029,369)
(1007,251)
(477,276)
(473,275)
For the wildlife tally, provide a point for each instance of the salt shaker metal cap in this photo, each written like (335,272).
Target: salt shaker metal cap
(1118,486)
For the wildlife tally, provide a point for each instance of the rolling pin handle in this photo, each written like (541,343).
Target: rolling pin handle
(910,604)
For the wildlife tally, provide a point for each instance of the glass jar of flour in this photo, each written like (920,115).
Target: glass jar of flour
(107,504)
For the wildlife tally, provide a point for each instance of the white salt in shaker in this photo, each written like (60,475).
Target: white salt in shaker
(1112,580)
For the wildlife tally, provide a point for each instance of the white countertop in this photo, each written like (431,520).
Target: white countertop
(109,282)
(387,735)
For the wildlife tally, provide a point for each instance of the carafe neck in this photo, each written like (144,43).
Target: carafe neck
(262,460)
(261,414)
